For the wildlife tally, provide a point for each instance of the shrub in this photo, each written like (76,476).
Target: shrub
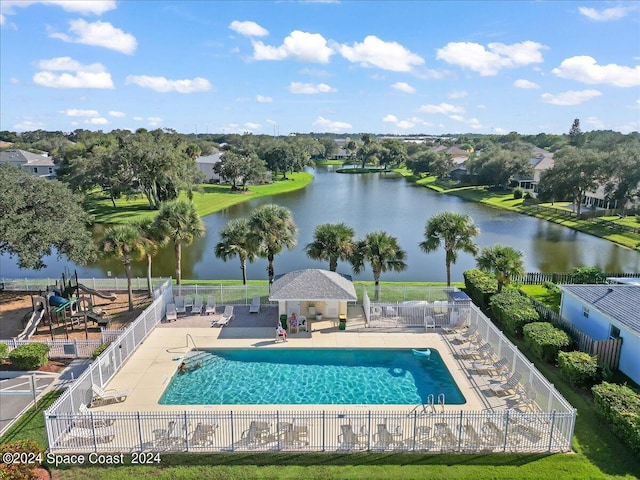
(19,470)
(480,286)
(4,351)
(621,407)
(545,340)
(513,310)
(551,288)
(528,196)
(579,368)
(30,356)
(587,275)
(517,193)
(99,350)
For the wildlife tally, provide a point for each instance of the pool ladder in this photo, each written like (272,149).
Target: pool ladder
(430,405)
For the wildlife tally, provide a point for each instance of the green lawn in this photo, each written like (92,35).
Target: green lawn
(213,199)
(551,300)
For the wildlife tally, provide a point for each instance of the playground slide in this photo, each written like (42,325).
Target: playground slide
(32,325)
(91,291)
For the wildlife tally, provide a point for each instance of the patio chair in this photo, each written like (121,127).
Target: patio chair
(172,313)
(501,367)
(446,439)
(295,437)
(167,437)
(471,438)
(255,304)
(476,351)
(225,318)
(87,419)
(91,435)
(467,336)
(385,439)
(202,436)
(493,434)
(350,440)
(509,386)
(179,302)
(256,433)
(429,322)
(527,399)
(188,303)
(107,397)
(211,305)
(196,309)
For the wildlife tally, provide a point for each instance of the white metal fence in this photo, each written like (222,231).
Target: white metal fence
(226,294)
(109,284)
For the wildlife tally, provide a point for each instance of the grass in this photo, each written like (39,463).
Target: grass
(213,199)
(550,299)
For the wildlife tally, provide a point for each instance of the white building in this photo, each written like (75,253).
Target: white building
(40,165)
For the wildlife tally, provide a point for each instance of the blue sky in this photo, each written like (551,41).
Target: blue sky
(320,66)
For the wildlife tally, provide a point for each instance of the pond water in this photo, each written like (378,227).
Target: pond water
(369,203)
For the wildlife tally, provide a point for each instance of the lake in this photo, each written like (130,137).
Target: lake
(372,202)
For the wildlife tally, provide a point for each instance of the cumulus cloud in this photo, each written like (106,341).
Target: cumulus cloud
(83,7)
(252,126)
(263,99)
(522,83)
(164,85)
(390,118)
(97,121)
(443,108)
(82,76)
(331,125)
(585,69)
(301,46)
(28,125)
(99,34)
(458,94)
(309,88)
(406,123)
(570,98)
(496,56)
(114,113)
(606,15)
(373,52)
(154,121)
(248,29)
(403,87)
(74,112)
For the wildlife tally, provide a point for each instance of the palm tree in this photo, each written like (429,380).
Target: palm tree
(179,221)
(153,240)
(455,232)
(125,243)
(237,240)
(274,229)
(382,251)
(504,261)
(332,242)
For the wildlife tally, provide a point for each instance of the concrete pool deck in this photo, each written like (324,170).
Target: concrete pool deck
(147,373)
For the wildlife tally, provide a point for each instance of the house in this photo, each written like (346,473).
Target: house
(206,164)
(541,161)
(608,311)
(313,291)
(39,165)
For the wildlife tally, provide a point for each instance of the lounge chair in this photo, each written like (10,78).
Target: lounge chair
(211,305)
(225,318)
(172,313)
(509,386)
(296,436)
(484,351)
(188,303)
(180,307)
(202,436)
(350,440)
(91,435)
(499,368)
(467,336)
(385,439)
(196,309)
(87,419)
(106,397)
(446,439)
(471,438)
(527,399)
(256,433)
(255,304)
(493,434)
(167,437)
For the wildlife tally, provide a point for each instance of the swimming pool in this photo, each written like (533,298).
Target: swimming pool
(270,376)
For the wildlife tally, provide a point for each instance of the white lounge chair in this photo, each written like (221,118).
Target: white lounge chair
(179,302)
(188,303)
(88,419)
(509,386)
(467,336)
(106,397)
(255,304)
(91,435)
(211,305)
(350,440)
(499,368)
(196,309)
(172,313)
(483,351)
(385,439)
(225,318)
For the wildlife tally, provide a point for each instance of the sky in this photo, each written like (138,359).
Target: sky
(382,67)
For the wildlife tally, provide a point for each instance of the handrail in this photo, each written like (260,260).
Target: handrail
(188,336)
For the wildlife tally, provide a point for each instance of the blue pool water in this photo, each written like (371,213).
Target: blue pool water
(272,376)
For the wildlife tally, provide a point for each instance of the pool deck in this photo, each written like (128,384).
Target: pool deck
(149,370)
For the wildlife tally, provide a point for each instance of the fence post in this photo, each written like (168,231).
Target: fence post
(553,422)
(233,442)
(323,428)
(140,432)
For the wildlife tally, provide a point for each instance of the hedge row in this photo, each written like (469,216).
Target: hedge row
(621,407)
(480,286)
(30,356)
(513,310)
(545,340)
(579,368)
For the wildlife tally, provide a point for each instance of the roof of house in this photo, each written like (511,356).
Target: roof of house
(313,284)
(15,155)
(618,302)
(214,158)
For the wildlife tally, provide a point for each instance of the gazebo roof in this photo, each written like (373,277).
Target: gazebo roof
(313,285)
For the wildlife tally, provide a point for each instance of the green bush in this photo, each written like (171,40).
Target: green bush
(517,193)
(30,356)
(545,340)
(4,350)
(99,350)
(513,310)
(480,286)
(621,407)
(19,470)
(588,275)
(579,368)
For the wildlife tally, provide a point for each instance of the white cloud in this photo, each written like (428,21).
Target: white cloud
(403,87)
(586,70)
(164,85)
(390,118)
(613,13)
(594,123)
(373,52)
(83,7)
(115,113)
(570,98)
(455,95)
(248,29)
(2,19)
(444,108)
(490,61)
(331,125)
(522,83)
(263,99)
(28,125)
(97,121)
(309,88)
(138,119)
(407,123)
(472,122)
(74,112)
(154,121)
(301,46)
(84,76)
(100,34)
(252,126)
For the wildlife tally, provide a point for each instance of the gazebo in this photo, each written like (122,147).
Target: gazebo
(313,292)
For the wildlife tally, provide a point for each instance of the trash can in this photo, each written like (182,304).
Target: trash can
(343,322)
(283,320)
